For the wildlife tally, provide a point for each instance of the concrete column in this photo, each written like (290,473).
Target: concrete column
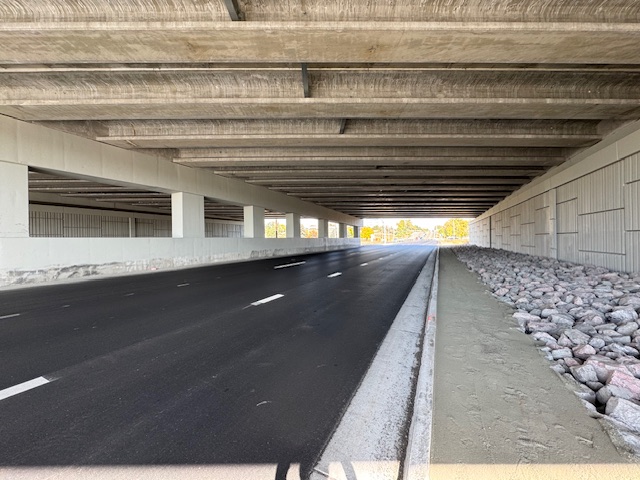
(356,231)
(342,230)
(323,228)
(253,222)
(187,215)
(293,225)
(14,200)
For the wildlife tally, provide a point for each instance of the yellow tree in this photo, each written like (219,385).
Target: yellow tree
(456,228)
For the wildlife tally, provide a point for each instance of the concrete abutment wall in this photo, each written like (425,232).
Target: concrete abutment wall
(585,211)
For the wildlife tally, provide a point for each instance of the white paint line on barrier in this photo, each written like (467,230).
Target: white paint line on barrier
(295,264)
(23,387)
(183,285)
(268,299)
(334,275)
(10,316)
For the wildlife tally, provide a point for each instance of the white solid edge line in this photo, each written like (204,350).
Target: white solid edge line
(289,265)
(10,316)
(418,453)
(268,299)
(333,275)
(23,387)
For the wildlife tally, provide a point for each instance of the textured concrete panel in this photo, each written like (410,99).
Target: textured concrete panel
(567,221)
(632,206)
(608,260)
(632,168)
(601,190)
(568,247)
(633,252)
(602,232)
(568,191)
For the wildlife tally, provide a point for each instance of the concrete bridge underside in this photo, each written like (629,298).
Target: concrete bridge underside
(228,110)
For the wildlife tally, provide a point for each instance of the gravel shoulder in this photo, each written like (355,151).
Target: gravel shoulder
(499,410)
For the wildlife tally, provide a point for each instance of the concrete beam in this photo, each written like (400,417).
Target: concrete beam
(55,151)
(401,153)
(321,42)
(351,140)
(289,108)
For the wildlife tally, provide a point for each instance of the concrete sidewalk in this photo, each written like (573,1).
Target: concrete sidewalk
(499,410)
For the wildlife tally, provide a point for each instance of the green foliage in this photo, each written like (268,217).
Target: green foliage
(406,229)
(271,232)
(455,228)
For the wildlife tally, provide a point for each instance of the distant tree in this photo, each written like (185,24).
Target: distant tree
(456,227)
(406,229)
(275,229)
(309,232)
(366,232)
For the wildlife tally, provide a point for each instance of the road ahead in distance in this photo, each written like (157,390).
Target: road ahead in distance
(246,363)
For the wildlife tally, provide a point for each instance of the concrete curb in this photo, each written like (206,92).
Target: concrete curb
(416,461)
(367,442)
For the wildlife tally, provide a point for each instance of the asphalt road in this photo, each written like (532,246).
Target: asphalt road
(188,368)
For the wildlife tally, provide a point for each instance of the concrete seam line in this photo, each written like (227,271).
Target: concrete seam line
(416,461)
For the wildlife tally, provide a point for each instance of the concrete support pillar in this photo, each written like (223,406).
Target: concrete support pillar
(187,215)
(293,225)
(342,230)
(14,200)
(253,222)
(323,228)
(356,231)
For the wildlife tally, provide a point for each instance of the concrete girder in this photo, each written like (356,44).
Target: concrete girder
(360,162)
(367,152)
(85,86)
(368,42)
(320,10)
(358,140)
(508,108)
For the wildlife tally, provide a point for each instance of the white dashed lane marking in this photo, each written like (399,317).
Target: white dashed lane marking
(10,316)
(268,299)
(183,285)
(23,387)
(333,275)
(364,264)
(289,265)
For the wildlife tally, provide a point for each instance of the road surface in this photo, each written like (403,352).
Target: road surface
(246,363)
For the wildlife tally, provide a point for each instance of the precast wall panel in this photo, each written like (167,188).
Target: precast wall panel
(114,227)
(632,168)
(46,224)
(589,212)
(602,232)
(601,190)
(632,206)
(218,229)
(633,251)
(480,233)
